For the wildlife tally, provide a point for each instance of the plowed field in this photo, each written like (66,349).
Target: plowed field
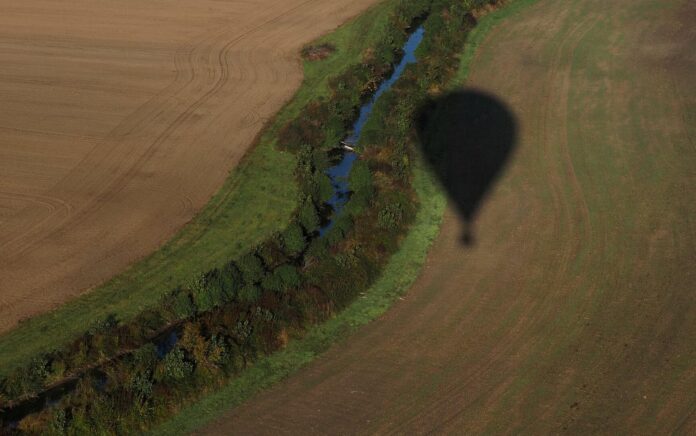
(119,120)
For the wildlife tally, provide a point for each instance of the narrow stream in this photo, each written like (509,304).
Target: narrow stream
(339,172)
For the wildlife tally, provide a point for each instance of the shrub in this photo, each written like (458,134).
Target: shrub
(390,216)
(57,369)
(208,290)
(249,293)
(318,52)
(242,331)
(231,279)
(324,186)
(145,358)
(362,187)
(174,366)
(180,304)
(308,128)
(308,216)
(217,352)
(320,159)
(199,297)
(103,325)
(151,320)
(282,279)
(25,381)
(58,422)
(38,371)
(294,240)
(141,387)
(341,226)
(272,252)
(251,268)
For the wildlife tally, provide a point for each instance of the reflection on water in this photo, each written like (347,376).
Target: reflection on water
(339,172)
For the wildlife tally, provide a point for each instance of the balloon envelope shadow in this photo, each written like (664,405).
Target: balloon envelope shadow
(467,137)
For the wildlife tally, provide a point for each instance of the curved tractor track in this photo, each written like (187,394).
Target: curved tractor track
(575,309)
(120,119)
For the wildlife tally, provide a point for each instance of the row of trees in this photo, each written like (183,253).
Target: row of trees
(134,373)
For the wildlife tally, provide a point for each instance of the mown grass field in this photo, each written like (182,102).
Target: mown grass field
(257,200)
(574,310)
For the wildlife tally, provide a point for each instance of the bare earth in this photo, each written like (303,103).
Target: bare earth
(119,119)
(575,310)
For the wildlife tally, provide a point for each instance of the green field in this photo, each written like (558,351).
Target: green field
(257,200)
(574,310)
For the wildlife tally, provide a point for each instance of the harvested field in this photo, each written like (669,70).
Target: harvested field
(119,121)
(573,308)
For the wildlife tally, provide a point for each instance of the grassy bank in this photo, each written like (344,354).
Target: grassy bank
(257,200)
(399,274)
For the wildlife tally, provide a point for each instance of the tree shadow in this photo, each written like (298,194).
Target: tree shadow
(467,137)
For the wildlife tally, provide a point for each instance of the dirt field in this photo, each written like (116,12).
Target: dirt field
(574,309)
(120,119)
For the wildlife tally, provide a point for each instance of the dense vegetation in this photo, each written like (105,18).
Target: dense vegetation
(130,374)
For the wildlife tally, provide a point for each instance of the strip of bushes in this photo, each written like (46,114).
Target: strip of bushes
(131,375)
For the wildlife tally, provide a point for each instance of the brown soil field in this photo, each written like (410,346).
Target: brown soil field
(574,309)
(120,119)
